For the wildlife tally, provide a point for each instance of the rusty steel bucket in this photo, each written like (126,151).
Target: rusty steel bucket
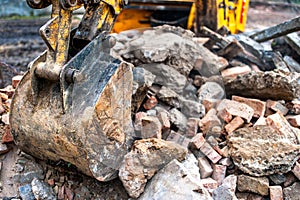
(84,118)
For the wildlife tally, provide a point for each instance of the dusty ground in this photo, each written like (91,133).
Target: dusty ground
(20,44)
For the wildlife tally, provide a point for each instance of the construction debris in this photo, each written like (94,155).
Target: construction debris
(203,128)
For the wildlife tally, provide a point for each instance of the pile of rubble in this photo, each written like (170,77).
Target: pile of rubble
(215,117)
(236,119)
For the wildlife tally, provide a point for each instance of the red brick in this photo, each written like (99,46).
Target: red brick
(51,182)
(219,172)
(225,115)
(150,103)
(296,170)
(258,106)
(8,90)
(209,120)
(151,127)
(179,139)
(69,193)
(277,107)
(7,136)
(138,120)
(233,72)
(294,120)
(236,109)
(278,122)
(204,167)
(234,124)
(210,103)
(209,183)
(212,155)
(197,141)
(15,80)
(276,192)
(192,127)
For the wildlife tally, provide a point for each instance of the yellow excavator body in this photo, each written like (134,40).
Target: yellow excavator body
(189,14)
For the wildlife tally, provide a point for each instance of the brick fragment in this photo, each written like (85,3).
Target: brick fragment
(205,168)
(151,127)
(15,80)
(296,170)
(219,172)
(233,72)
(225,115)
(294,120)
(179,139)
(282,126)
(210,152)
(277,107)
(209,183)
(276,192)
(138,120)
(210,103)
(234,124)
(209,120)
(197,141)
(7,136)
(236,109)
(257,105)
(150,103)
(192,127)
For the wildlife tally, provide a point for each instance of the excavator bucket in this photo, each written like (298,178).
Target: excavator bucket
(83,115)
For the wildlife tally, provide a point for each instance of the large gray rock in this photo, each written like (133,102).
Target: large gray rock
(211,90)
(265,85)
(167,76)
(261,151)
(144,160)
(175,181)
(292,192)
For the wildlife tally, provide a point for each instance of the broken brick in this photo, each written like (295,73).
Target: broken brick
(277,107)
(258,106)
(138,120)
(209,183)
(278,122)
(7,136)
(209,120)
(210,103)
(197,141)
(225,115)
(235,108)
(192,127)
(150,103)
(151,127)
(179,139)
(276,192)
(210,152)
(234,124)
